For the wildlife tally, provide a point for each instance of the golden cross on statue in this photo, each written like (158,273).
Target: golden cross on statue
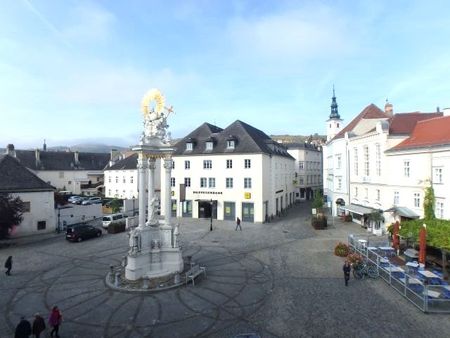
(170,109)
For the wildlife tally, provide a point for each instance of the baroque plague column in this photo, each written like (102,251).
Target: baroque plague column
(153,247)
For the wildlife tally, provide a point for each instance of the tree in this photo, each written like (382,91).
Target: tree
(318,200)
(115,205)
(428,203)
(11,211)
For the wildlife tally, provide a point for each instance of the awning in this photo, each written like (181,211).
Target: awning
(403,211)
(358,209)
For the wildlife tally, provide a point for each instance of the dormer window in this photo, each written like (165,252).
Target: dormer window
(230,144)
(209,145)
(189,146)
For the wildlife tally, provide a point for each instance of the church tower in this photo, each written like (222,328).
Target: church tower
(334,123)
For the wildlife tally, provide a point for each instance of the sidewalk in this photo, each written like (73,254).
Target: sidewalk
(30,239)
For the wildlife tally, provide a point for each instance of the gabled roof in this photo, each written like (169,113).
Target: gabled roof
(248,139)
(370,112)
(427,133)
(14,177)
(404,123)
(128,163)
(58,160)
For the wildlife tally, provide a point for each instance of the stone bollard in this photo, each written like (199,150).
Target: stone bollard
(117,280)
(176,279)
(111,273)
(124,261)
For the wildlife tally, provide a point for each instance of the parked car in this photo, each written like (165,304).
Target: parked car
(73,199)
(79,233)
(80,200)
(114,218)
(92,200)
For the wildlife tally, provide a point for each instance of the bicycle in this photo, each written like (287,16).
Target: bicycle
(363,269)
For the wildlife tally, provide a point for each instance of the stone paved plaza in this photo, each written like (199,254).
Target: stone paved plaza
(278,279)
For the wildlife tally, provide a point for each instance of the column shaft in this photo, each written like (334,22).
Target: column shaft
(141,166)
(151,183)
(168,190)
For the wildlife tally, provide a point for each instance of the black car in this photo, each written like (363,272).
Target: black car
(81,232)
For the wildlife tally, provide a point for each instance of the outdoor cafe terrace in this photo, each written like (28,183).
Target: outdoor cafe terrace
(424,288)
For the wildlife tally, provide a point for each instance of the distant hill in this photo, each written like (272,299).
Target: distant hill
(88,148)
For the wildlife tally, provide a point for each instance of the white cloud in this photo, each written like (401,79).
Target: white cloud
(317,32)
(89,22)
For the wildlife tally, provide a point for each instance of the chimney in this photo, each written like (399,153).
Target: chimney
(10,150)
(37,154)
(446,111)
(388,108)
(77,160)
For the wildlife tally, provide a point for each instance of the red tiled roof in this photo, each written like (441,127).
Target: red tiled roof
(431,132)
(404,123)
(370,112)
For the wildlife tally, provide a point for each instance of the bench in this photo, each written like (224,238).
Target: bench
(193,272)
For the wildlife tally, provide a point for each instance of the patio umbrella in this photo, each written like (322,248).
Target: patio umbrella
(423,244)
(395,237)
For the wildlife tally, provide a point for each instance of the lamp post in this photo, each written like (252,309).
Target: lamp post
(210,225)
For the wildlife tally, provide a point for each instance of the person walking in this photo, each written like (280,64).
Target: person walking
(23,329)
(347,268)
(8,265)
(238,224)
(54,320)
(38,325)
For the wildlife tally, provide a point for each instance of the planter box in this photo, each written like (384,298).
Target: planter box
(115,228)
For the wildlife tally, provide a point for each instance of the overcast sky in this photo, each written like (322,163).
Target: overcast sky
(74,70)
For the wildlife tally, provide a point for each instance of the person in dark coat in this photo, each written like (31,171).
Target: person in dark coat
(238,223)
(347,268)
(8,265)
(38,325)
(23,329)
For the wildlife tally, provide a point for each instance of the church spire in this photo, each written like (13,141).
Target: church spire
(334,107)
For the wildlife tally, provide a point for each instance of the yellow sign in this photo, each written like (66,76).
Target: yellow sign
(173,193)
(247,195)
(227,210)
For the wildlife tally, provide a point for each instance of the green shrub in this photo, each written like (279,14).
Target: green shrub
(116,227)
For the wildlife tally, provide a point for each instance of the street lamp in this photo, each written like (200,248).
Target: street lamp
(210,225)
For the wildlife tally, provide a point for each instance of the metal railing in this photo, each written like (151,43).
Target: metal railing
(426,297)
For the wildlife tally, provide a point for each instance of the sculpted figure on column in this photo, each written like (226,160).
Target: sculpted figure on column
(153,212)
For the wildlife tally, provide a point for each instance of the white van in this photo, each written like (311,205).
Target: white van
(114,218)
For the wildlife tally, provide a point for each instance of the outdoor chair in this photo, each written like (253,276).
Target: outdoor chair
(417,288)
(435,281)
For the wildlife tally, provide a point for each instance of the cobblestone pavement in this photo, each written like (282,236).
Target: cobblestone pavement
(278,279)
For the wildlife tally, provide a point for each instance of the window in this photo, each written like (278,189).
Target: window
(355,161)
(406,168)
(396,198)
(173,164)
(124,180)
(378,159)
(187,164)
(229,182)
(202,182)
(41,225)
(301,165)
(131,179)
(209,145)
(247,183)
(187,181)
(212,182)
(172,181)
(378,194)
(207,164)
(189,146)
(301,180)
(109,179)
(339,183)
(417,200)
(230,144)
(61,174)
(247,164)
(26,206)
(439,209)
(437,175)
(229,164)
(117,179)
(366,161)
(109,192)
(338,162)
